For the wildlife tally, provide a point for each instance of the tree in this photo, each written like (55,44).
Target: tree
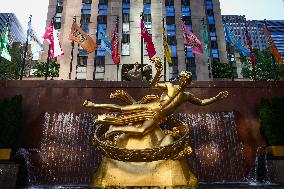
(221,70)
(265,68)
(11,70)
(41,69)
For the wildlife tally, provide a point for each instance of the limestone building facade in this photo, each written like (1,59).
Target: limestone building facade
(91,15)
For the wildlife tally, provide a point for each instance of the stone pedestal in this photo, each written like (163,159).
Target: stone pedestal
(8,175)
(163,173)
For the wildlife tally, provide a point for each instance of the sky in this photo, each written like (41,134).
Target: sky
(253,9)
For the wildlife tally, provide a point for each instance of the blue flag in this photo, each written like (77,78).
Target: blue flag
(230,38)
(105,43)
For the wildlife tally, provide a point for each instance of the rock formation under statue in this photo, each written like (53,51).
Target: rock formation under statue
(137,151)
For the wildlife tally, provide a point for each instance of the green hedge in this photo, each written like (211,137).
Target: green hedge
(11,121)
(272,120)
(221,70)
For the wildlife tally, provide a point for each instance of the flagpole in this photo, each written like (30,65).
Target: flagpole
(142,48)
(48,55)
(165,62)
(72,52)
(26,49)
(117,65)
(47,63)
(251,51)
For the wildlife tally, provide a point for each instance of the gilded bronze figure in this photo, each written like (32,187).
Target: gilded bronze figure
(136,147)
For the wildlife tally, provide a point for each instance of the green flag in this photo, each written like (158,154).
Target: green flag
(4,53)
(205,41)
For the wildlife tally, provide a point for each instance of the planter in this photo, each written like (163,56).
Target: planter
(5,154)
(276,150)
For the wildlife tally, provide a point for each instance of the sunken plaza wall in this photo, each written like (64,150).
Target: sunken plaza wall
(68,96)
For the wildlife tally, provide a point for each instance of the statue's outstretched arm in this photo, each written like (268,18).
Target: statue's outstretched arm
(109,107)
(204,102)
(159,68)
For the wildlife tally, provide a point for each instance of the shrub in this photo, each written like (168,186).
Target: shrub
(272,120)
(11,121)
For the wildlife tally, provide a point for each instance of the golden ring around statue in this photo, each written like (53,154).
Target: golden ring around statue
(177,150)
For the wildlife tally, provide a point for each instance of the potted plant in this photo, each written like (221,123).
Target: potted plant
(272,124)
(11,123)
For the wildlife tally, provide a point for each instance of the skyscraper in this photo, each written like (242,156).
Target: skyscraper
(17,32)
(103,13)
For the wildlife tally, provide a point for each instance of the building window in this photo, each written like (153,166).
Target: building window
(215,53)
(189,52)
(171,29)
(126,8)
(170,20)
(102,19)
(86,9)
(102,9)
(169,2)
(147,8)
(185,10)
(209,4)
(125,49)
(174,50)
(211,20)
(82,60)
(170,11)
(85,18)
(85,27)
(191,67)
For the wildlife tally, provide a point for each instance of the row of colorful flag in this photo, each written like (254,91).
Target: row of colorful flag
(231,39)
(112,46)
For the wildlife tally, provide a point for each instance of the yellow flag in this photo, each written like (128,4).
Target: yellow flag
(167,49)
(272,46)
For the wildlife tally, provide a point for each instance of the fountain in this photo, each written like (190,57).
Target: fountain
(66,157)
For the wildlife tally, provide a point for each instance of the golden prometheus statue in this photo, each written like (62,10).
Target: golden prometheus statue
(137,151)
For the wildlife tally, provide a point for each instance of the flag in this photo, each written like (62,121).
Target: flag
(52,38)
(236,43)
(206,42)
(272,46)
(191,40)
(167,49)
(83,39)
(150,47)
(105,44)
(249,43)
(115,45)
(4,52)
(34,42)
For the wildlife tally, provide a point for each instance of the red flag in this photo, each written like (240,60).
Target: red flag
(52,39)
(148,39)
(115,45)
(191,40)
(252,57)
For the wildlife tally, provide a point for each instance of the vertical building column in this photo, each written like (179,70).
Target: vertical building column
(71,8)
(198,13)
(220,31)
(179,37)
(135,42)
(157,18)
